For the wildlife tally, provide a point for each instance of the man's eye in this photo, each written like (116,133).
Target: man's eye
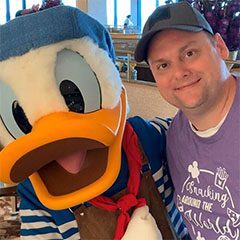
(162,66)
(190,53)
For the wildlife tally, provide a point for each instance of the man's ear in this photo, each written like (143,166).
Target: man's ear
(221,46)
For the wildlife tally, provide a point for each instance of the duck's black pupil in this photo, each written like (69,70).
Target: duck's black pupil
(72,96)
(21,118)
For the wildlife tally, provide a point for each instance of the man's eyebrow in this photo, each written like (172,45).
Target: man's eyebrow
(182,49)
(159,60)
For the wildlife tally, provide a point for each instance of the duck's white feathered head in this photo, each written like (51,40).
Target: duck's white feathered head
(62,106)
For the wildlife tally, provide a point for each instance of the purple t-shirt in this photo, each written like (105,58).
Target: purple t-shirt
(206,176)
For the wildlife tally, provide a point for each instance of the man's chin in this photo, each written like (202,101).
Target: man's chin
(191,105)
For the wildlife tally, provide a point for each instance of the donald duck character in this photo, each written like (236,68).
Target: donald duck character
(82,170)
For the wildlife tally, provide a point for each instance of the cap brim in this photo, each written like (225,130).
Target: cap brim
(140,53)
(142,46)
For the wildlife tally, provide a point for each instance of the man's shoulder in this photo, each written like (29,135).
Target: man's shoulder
(177,121)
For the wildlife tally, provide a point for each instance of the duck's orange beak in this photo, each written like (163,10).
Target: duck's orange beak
(58,135)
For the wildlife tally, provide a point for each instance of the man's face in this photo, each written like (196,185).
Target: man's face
(188,68)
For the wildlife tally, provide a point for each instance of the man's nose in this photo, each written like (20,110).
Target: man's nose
(181,70)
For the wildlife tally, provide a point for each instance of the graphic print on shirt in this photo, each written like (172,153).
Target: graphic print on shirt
(209,206)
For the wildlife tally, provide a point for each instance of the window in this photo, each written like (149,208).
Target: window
(123,9)
(3,11)
(117,10)
(30,3)
(69,3)
(161,2)
(8,8)
(14,6)
(147,7)
(110,12)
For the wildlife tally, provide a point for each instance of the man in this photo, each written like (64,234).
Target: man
(187,62)
(128,22)
(66,138)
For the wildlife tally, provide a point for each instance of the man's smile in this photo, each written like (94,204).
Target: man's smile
(187,85)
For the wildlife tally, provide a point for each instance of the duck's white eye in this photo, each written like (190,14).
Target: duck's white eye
(11,113)
(77,82)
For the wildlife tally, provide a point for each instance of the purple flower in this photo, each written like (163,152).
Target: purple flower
(224,18)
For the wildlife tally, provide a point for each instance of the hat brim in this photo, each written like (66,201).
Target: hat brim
(143,44)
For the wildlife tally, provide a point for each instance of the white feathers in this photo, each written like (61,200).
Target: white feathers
(32,77)
(105,70)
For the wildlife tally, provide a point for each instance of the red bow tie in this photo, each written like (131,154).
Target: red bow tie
(129,200)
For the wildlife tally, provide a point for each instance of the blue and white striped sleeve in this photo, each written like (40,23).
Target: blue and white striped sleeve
(39,222)
(165,187)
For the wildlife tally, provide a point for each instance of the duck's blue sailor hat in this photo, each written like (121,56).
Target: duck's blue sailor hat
(51,26)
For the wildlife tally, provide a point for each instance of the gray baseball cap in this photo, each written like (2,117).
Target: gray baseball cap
(180,16)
